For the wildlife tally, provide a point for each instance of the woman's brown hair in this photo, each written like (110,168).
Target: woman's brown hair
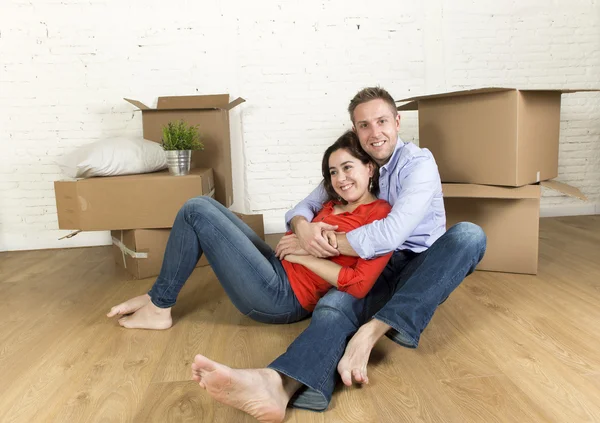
(349,142)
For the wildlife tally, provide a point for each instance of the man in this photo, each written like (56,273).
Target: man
(417,278)
(428,263)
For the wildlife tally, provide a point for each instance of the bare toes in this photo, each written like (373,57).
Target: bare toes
(346,377)
(114,311)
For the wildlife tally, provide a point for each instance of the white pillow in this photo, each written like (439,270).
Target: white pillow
(113,157)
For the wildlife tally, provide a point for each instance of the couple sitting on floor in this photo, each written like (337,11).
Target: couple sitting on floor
(367,255)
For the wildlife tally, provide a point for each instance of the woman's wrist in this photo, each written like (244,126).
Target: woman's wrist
(303,259)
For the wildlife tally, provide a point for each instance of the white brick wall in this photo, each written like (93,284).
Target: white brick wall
(66,65)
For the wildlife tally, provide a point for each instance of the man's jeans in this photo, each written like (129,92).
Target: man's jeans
(405,297)
(246,266)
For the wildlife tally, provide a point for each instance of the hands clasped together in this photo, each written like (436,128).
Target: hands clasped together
(316,239)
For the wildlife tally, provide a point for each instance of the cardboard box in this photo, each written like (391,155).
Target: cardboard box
(508,216)
(211,113)
(149,200)
(141,251)
(491,136)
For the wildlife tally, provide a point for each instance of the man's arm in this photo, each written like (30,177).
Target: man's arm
(343,246)
(309,235)
(386,235)
(308,207)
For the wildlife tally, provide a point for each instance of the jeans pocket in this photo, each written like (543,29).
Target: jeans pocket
(280,318)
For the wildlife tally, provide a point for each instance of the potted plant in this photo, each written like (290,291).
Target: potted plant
(178,141)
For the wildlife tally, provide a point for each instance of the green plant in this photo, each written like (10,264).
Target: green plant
(179,135)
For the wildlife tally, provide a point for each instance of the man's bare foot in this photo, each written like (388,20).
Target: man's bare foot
(353,365)
(145,314)
(129,306)
(262,393)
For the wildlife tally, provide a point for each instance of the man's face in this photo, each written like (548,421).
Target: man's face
(377,128)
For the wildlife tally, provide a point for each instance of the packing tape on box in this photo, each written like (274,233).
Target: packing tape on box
(71,235)
(211,194)
(125,250)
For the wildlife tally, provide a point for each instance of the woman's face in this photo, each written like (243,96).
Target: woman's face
(349,176)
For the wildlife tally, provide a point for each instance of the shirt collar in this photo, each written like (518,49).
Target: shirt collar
(391,164)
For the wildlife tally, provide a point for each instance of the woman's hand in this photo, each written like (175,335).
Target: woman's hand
(331,237)
(289,244)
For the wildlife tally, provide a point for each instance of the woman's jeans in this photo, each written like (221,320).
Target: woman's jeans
(246,266)
(405,297)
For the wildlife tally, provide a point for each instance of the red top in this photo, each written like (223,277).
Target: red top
(357,275)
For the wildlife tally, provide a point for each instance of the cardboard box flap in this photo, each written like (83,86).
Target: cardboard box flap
(456,93)
(564,189)
(198,102)
(487,191)
(490,90)
(413,105)
(234,103)
(215,101)
(573,90)
(137,104)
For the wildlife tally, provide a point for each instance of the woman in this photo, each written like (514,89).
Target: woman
(260,285)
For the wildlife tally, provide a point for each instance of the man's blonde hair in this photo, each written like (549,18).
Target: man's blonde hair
(368,94)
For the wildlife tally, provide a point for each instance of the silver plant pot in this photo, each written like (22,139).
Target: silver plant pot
(179,161)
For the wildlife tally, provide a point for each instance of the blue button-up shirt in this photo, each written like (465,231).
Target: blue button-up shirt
(410,182)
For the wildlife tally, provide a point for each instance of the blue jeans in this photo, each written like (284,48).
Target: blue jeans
(405,297)
(248,269)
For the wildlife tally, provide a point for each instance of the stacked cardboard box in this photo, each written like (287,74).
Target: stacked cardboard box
(495,148)
(141,209)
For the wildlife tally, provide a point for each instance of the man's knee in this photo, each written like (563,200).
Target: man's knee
(468,234)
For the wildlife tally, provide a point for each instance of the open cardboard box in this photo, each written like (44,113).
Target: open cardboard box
(149,200)
(211,113)
(141,251)
(491,136)
(508,216)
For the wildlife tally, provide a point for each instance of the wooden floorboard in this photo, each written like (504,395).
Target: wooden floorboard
(502,348)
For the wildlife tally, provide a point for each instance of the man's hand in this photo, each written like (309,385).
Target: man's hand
(311,238)
(289,244)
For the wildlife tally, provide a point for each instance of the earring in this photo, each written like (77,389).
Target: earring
(370,184)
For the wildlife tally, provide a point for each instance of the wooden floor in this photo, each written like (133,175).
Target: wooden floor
(503,348)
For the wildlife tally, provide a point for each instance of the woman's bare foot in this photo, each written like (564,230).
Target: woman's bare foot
(353,364)
(129,306)
(262,393)
(145,314)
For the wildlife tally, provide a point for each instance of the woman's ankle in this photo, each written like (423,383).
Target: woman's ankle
(159,310)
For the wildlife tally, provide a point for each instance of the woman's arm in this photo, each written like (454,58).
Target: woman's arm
(326,269)
(356,280)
